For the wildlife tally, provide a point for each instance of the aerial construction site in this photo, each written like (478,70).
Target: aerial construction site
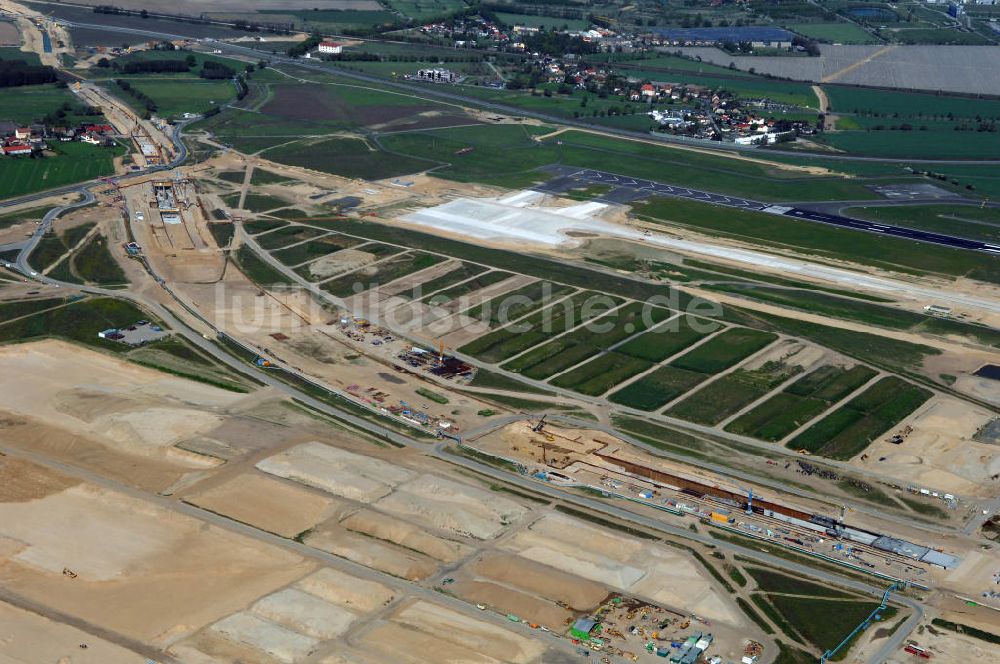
(322,370)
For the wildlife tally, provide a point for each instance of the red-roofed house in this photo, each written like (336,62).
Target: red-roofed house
(335,48)
(22,132)
(16,150)
(648,90)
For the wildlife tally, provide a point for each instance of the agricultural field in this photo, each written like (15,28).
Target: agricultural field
(462,289)
(78,322)
(732,392)
(34,102)
(308,251)
(657,388)
(331,20)
(511,306)
(510,340)
(537,21)
(258,226)
(175,97)
(92,263)
(666,383)
(381,273)
(601,374)
(256,270)
(347,157)
(954,69)
(599,334)
(288,235)
(54,244)
(800,402)
(724,350)
(848,431)
(69,163)
(462,272)
(505,155)
(294,110)
(837,33)
(424,10)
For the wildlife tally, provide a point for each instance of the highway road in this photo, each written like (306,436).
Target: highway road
(653,188)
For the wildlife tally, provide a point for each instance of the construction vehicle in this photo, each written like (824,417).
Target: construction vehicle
(541,424)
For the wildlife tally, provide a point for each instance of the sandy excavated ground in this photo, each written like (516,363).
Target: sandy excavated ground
(268,504)
(364,550)
(288,625)
(407,534)
(453,507)
(144,571)
(426,632)
(27,637)
(940,453)
(105,413)
(947,647)
(342,473)
(663,575)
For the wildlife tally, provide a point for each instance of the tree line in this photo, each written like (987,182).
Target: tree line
(15,73)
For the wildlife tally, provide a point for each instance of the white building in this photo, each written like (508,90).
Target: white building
(333,48)
(436,75)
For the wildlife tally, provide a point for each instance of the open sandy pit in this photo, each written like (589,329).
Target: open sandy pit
(127,408)
(517,572)
(304,613)
(342,473)
(509,601)
(425,632)
(346,590)
(372,553)
(277,507)
(281,643)
(287,625)
(141,570)
(453,507)
(24,481)
(656,572)
(406,534)
(339,262)
(940,453)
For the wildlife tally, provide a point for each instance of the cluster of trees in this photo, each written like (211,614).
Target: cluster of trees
(555,43)
(983,126)
(154,66)
(304,46)
(214,71)
(15,73)
(242,90)
(247,26)
(57,116)
(147,102)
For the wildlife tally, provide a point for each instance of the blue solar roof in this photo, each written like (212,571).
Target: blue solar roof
(750,33)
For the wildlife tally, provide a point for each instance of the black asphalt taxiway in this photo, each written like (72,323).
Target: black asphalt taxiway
(636,188)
